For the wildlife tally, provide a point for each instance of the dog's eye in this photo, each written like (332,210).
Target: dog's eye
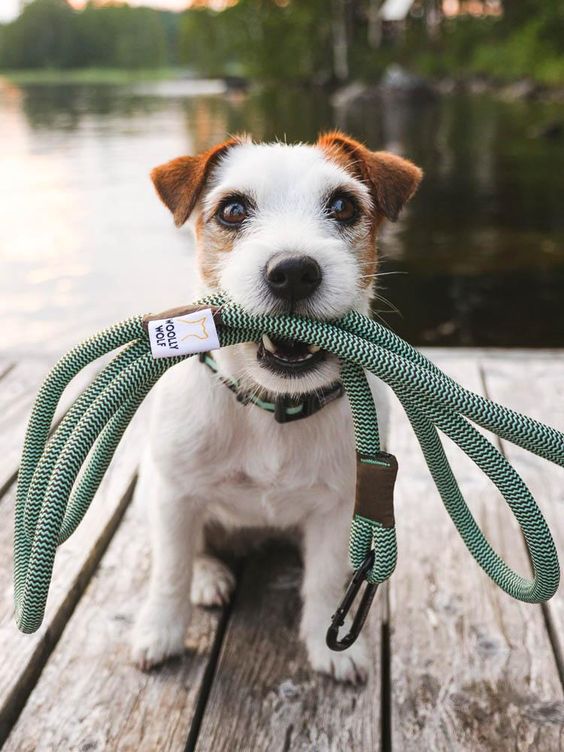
(233,212)
(342,208)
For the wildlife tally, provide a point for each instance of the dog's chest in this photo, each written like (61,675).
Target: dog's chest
(246,468)
(277,474)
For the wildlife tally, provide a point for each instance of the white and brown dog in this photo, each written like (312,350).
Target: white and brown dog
(279,228)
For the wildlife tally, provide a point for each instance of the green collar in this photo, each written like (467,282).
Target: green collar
(285,409)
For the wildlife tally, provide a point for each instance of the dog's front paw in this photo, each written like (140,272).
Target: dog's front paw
(350,666)
(212,582)
(154,640)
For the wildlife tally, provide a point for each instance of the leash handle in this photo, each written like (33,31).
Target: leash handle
(49,504)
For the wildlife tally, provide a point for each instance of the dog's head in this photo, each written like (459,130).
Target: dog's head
(288,228)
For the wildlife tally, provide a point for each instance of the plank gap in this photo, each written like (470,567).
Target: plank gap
(5,487)
(386,685)
(212,665)
(7,369)
(554,642)
(288,738)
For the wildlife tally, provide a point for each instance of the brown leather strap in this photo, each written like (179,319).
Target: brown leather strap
(183,311)
(375,480)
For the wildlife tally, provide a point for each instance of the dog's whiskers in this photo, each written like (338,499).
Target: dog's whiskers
(381,318)
(380,274)
(393,308)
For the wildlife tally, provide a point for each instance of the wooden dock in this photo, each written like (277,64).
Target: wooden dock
(458,665)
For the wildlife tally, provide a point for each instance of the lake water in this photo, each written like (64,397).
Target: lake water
(477,259)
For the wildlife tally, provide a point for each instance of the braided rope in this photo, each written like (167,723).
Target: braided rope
(59,475)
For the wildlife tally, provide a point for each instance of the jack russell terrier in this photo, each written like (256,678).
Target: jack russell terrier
(279,228)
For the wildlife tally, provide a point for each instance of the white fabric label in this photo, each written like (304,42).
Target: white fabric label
(183,335)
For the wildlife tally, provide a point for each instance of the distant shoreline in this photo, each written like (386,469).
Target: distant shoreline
(91,75)
(510,89)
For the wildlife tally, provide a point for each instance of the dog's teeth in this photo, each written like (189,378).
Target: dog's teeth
(313,348)
(268,344)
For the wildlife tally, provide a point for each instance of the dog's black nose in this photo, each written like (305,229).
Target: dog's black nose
(292,277)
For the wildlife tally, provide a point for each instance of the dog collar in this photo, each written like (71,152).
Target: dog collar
(285,409)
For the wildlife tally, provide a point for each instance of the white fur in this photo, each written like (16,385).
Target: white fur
(210,458)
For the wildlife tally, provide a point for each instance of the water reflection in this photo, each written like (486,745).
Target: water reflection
(83,240)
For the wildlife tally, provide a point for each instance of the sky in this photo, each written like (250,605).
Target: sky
(9,8)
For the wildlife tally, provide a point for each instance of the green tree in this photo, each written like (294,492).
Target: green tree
(49,33)
(41,37)
(270,39)
(121,36)
(547,17)
(206,43)
(141,41)
(516,13)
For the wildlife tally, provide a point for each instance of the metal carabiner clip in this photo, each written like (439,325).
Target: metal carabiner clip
(338,618)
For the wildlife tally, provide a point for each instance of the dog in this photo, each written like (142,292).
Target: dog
(279,228)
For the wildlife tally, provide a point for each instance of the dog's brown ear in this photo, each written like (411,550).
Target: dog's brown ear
(180,181)
(392,180)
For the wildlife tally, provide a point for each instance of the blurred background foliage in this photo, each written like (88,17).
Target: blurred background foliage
(91,99)
(313,41)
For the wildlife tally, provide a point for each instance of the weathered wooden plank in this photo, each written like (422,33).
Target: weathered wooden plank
(264,696)
(23,656)
(472,669)
(90,696)
(537,389)
(17,392)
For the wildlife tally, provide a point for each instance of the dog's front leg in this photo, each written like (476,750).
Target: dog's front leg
(176,526)
(326,569)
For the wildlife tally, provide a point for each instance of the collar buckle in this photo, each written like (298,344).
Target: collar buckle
(311,404)
(283,415)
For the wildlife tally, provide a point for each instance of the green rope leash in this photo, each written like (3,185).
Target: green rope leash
(59,475)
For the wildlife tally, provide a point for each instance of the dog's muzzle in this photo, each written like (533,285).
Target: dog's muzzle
(292,277)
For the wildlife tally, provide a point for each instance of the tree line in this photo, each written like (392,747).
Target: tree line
(51,34)
(304,40)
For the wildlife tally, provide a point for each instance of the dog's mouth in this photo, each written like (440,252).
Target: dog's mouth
(288,358)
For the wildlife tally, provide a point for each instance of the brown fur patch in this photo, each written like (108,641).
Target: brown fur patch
(180,181)
(179,184)
(369,254)
(391,180)
(211,243)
